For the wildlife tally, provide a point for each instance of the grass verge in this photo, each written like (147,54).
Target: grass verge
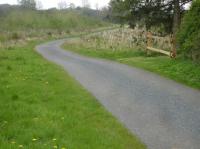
(180,70)
(42,107)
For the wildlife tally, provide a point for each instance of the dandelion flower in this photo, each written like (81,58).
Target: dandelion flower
(34,139)
(21,146)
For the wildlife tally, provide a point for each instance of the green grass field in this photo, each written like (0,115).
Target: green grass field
(42,107)
(181,70)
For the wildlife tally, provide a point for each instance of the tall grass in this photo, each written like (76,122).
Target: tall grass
(122,38)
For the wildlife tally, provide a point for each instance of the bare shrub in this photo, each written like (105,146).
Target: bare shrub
(125,38)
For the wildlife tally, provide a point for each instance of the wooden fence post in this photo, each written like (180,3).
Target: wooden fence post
(149,41)
(173,50)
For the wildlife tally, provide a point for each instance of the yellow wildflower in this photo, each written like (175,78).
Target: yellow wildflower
(21,146)
(34,139)
(55,146)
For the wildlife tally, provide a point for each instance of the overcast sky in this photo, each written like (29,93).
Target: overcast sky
(54,3)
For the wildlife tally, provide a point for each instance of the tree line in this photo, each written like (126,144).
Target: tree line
(62,4)
(180,17)
(37,4)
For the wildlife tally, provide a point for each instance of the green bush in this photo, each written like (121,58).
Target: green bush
(189,34)
(15,36)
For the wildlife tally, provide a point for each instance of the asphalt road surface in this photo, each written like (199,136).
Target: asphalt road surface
(161,112)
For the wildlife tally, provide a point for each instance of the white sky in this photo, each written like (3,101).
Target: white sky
(54,3)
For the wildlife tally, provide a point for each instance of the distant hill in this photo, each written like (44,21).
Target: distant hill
(13,17)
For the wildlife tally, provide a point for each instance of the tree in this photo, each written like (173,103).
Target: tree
(97,6)
(29,4)
(62,4)
(120,12)
(39,5)
(72,6)
(150,12)
(104,13)
(189,34)
(85,4)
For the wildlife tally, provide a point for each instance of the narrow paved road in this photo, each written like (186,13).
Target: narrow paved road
(163,113)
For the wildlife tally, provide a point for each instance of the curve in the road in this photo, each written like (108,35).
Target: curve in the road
(163,113)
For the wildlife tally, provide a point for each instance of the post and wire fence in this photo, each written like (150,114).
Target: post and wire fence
(151,46)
